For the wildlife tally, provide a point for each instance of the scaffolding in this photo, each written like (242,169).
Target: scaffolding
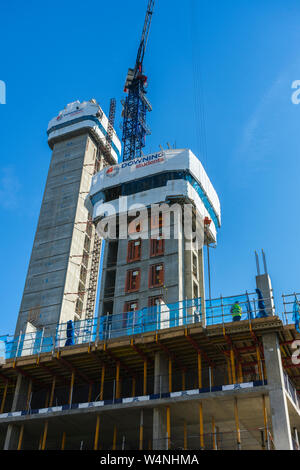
(138,322)
(117,376)
(110,376)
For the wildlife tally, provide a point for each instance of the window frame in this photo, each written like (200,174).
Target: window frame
(129,279)
(136,256)
(127,303)
(152,300)
(152,270)
(157,247)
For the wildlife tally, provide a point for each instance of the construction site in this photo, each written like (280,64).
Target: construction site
(119,344)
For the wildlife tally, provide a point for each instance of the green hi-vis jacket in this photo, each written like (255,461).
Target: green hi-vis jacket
(236,310)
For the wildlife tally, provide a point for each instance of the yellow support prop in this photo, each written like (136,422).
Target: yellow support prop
(71,387)
(40,441)
(4,398)
(133,387)
(141,431)
(118,381)
(183,381)
(21,437)
(45,435)
(265,418)
(102,382)
(229,371)
(169,427)
(232,366)
(96,441)
(52,392)
(115,438)
(201,425)
(214,433)
(240,369)
(63,441)
(259,363)
(264,370)
(237,424)
(199,370)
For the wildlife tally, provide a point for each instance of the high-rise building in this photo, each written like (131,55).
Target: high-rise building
(162,366)
(61,282)
(166,368)
(152,261)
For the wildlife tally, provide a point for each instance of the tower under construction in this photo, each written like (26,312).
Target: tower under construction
(62,277)
(160,364)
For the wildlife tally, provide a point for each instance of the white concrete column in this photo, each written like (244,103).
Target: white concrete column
(278,402)
(19,404)
(263,283)
(161,385)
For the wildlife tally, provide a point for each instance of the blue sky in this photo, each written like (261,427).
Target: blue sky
(220,76)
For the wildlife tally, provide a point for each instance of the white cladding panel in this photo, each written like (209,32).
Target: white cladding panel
(153,196)
(78,110)
(148,165)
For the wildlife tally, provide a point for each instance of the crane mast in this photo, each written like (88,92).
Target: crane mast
(136,103)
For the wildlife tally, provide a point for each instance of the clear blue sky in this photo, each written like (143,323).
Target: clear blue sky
(232,62)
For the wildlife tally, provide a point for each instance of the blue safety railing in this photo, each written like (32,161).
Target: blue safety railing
(219,310)
(79,332)
(160,317)
(291,314)
(155,318)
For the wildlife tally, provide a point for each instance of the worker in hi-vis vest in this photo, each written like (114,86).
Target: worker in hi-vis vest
(236,311)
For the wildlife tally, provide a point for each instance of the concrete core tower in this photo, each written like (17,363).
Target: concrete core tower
(61,282)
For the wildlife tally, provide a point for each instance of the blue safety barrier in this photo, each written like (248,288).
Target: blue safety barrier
(159,317)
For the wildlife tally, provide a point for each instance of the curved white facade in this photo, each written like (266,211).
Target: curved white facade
(199,189)
(84,115)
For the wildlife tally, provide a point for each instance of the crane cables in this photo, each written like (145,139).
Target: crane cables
(199,97)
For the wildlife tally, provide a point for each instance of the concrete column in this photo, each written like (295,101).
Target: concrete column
(19,403)
(161,373)
(263,283)
(278,402)
(161,385)
(12,437)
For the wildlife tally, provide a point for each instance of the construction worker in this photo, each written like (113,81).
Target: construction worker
(236,311)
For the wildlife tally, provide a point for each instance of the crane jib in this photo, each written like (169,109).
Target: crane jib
(145,35)
(136,105)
